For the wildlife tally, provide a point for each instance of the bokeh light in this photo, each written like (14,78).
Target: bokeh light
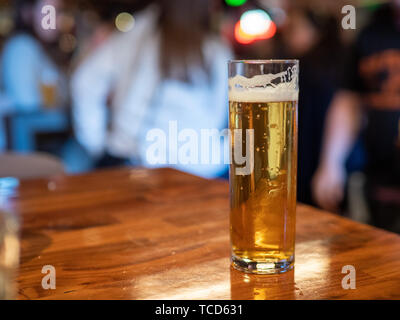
(124,22)
(6,23)
(254,25)
(235,3)
(67,43)
(66,22)
(255,22)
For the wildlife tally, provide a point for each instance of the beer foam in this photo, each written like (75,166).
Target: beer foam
(261,88)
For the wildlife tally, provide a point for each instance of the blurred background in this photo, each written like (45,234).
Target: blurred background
(81,96)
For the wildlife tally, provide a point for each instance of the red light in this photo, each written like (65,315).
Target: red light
(269,33)
(241,36)
(244,38)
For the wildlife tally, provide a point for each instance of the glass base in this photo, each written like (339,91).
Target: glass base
(264,267)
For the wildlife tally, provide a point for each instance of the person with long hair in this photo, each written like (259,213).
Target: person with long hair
(169,70)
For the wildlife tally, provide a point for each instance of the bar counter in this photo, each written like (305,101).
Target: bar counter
(162,234)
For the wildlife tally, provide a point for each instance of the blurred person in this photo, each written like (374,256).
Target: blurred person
(29,76)
(314,39)
(169,67)
(369,100)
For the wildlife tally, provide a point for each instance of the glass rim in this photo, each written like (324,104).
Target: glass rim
(263,61)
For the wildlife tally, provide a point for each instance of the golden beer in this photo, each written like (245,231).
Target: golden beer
(263,201)
(49,95)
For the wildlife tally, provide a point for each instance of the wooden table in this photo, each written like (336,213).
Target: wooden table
(163,234)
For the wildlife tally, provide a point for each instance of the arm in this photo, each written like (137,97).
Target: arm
(343,123)
(90,85)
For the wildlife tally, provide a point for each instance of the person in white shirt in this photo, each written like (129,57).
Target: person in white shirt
(167,70)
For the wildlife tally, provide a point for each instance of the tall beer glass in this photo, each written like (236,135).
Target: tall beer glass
(263,97)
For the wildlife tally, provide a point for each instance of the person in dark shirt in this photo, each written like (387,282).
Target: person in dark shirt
(314,40)
(369,100)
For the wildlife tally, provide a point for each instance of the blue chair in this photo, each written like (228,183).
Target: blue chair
(23,127)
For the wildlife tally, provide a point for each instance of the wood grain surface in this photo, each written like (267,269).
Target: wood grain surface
(162,234)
